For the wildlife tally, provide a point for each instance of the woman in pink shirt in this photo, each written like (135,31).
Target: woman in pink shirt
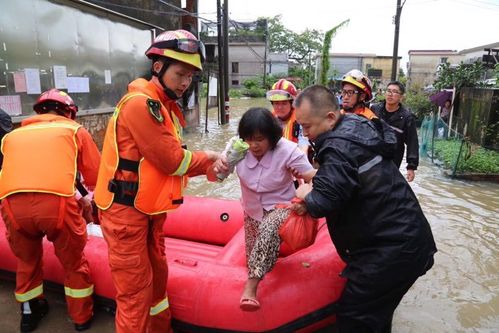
(266,179)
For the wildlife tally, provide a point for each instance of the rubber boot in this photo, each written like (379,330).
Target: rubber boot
(32,312)
(83,327)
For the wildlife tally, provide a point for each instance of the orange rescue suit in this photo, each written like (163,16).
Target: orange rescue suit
(52,149)
(364,112)
(37,184)
(156,192)
(141,151)
(290,129)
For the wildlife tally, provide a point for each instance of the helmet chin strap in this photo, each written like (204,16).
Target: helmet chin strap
(356,105)
(170,93)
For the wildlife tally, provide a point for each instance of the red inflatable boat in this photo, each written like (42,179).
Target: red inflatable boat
(207,272)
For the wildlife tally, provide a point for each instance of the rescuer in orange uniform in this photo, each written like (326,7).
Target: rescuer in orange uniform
(142,176)
(281,96)
(37,185)
(356,93)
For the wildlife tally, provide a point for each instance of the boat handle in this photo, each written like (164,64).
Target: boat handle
(186,262)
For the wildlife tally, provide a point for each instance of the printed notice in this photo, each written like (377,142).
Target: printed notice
(19,82)
(78,84)
(192,101)
(213,86)
(107,76)
(60,74)
(32,76)
(11,104)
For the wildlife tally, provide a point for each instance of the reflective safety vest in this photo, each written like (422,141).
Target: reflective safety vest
(155,192)
(366,113)
(291,129)
(40,157)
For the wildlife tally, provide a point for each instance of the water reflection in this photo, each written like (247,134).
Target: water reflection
(461,292)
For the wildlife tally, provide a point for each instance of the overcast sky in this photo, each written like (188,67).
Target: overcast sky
(425,24)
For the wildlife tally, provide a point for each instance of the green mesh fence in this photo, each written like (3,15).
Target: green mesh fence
(453,152)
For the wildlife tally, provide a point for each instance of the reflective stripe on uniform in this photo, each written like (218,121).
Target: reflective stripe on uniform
(33,293)
(79,293)
(396,129)
(184,165)
(369,164)
(160,307)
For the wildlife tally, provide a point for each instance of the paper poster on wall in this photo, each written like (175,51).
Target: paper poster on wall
(107,76)
(213,86)
(19,82)
(60,74)
(32,76)
(11,104)
(77,84)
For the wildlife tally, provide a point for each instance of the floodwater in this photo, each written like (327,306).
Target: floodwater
(459,294)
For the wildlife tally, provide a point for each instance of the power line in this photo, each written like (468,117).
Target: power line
(482,5)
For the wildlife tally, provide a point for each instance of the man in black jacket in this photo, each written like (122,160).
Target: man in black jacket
(403,123)
(374,218)
(5,127)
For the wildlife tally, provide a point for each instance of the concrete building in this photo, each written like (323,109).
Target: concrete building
(246,57)
(277,64)
(377,68)
(423,64)
(476,53)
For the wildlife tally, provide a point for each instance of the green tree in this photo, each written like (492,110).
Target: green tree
(325,51)
(464,75)
(418,102)
(300,47)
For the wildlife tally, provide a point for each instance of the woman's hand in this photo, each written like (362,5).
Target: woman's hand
(220,166)
(303,190)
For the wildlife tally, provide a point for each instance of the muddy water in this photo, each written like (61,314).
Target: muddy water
(461,292)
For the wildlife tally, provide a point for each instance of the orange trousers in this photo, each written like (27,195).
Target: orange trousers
(139,269)
(28,218)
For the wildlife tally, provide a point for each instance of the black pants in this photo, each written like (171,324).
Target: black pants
(371,295)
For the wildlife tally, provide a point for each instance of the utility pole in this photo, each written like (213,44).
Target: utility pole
(221,84)
(265,54)
(398,12)
(226,60)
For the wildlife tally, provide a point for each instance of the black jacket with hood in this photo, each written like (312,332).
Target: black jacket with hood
(373,216)
(403,123)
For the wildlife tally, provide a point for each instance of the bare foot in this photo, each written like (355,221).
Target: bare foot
(250,288)
(248,300)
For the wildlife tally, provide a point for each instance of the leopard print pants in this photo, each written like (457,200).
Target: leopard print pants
(263,242)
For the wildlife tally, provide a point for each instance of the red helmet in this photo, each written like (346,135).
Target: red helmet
(358,79)
(55,100)
(282,90)
(180,45)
